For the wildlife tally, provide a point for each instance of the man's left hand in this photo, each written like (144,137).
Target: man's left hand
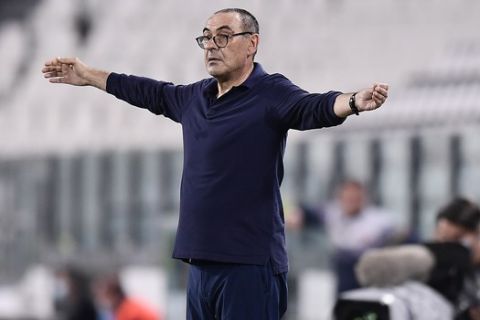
(371,98)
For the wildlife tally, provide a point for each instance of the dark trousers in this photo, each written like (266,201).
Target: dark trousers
(235,291)
(344,262)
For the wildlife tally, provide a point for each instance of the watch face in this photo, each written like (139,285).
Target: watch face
(361,310)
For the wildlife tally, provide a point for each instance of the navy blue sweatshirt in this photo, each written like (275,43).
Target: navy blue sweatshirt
(230,205)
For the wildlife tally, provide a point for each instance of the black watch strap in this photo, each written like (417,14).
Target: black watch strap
(352,105)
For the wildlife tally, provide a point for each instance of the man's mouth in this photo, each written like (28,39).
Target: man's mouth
(213,59)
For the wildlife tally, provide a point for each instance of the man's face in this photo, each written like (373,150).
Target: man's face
(223,62)
(448,231)
(352,199)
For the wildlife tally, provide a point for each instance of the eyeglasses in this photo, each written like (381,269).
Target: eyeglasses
(220,40)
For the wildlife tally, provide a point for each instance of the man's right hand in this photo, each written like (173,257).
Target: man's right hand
(74,72)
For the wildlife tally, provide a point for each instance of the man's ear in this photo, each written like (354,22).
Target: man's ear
(254,41)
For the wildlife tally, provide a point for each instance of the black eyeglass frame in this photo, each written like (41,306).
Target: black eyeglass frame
(227,37)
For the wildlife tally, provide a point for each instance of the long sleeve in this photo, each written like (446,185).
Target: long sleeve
(157,96)
(295,108)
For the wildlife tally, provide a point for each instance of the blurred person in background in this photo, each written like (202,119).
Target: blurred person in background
(449,264)
(73,299)
(353,226)
(457,225)
(231,225)
(111,296)
(459,221)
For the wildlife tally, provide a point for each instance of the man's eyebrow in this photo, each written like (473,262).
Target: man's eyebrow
(219,28)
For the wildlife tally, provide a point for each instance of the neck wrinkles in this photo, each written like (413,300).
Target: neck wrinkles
(226,85)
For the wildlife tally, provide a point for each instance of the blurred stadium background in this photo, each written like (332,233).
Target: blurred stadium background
(87,179)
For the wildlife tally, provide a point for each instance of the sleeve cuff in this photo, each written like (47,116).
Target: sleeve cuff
(336,120)
(112,82)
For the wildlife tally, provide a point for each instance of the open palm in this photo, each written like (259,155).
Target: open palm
(66,70)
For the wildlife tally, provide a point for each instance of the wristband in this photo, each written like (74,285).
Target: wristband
(352,105)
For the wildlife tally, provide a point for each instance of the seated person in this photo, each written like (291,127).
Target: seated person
(353,225)
(445,264)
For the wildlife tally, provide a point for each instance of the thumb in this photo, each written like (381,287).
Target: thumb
(67,60)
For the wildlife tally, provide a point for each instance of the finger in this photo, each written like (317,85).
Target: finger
(54,62)
(52,68)
(382,85)
(51,63)
(57,80)
(380,95)
(382,91)
(67,60)
(378,101)
(50,75)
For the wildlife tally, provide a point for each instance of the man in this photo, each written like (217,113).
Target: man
(444,264)
(235,124)
(458,221)
(352,225)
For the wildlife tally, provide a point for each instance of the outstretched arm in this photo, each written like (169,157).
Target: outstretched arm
(157,96)
(74,72)
(365,100)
